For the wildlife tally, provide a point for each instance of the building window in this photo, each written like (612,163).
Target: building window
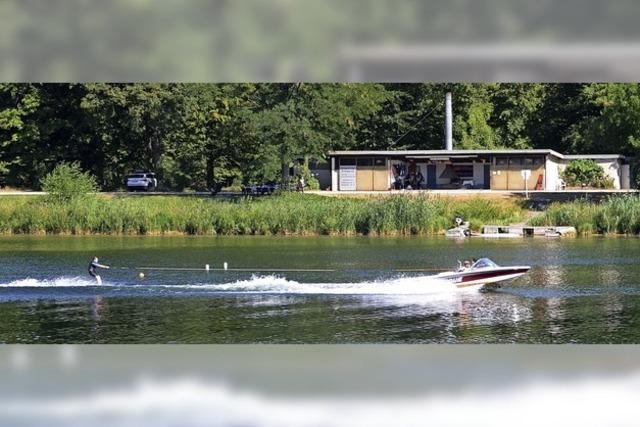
(380,161)
(463,171)
(365,161)
(532,162)
(347,161)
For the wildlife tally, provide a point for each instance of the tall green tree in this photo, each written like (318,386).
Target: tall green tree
(131,126)
(515,106)
(18,131)
(305,120)
(215,137)
(613,122)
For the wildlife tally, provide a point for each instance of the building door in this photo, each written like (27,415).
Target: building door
(347,174)
(499,173)
(364,174)
(432,178)
(536,166)
(487,176)
(515,180)
(380,174)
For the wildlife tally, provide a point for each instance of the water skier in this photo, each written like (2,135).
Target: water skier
(93,266)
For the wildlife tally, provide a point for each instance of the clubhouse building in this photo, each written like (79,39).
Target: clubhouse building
(512,170)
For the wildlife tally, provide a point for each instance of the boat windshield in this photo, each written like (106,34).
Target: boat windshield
(484,263)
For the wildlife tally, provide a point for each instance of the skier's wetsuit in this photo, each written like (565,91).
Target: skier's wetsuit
(92,268)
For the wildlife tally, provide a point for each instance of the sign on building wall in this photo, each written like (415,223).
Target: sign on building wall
(347,178)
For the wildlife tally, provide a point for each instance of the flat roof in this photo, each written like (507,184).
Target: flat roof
(594,156)
(461,153)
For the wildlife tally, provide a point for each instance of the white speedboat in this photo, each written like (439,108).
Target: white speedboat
(461,230)
(482,272)
(458,232)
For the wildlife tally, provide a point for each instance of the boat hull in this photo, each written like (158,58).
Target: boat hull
(480,277)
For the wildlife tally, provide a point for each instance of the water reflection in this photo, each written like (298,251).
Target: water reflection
(579,290)
(550,275)
(613,311)
(609,276)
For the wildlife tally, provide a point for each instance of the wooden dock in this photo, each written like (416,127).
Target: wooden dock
(527,231)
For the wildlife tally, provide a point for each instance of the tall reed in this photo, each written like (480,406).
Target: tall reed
(298,214)
(615,215)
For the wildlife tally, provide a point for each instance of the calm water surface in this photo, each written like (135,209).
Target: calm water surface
(579,290)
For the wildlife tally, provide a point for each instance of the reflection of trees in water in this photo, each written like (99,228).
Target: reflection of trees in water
(556,315)
(551,275)
(609,276)
(612,303)
(612,307)
(548,313)
(98,309)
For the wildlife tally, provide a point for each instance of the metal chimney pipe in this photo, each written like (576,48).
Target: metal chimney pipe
(448,128)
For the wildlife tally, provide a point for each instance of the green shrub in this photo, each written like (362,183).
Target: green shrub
(67,183)
(586,173)
(313,183)
(310,180)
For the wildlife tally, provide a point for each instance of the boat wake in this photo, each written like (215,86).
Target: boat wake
(60,282)
(275,284)
(262,284)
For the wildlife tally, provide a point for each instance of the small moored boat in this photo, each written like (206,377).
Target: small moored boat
(458,232)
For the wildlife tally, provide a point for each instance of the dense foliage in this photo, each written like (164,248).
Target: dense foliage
(201,136)
(586,173)
(292,213)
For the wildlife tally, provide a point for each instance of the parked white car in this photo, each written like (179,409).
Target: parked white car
(144,181)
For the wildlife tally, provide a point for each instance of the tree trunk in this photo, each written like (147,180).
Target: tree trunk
(156,153)
(285,165)
(99,165)
(211,179)
(285,172)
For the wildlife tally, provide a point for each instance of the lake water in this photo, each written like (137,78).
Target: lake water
(578,291)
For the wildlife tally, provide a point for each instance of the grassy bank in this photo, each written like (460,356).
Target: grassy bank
(615,215)
(283,214)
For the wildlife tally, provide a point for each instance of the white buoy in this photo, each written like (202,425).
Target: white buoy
(206,267)
(141,275)
(225,265)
